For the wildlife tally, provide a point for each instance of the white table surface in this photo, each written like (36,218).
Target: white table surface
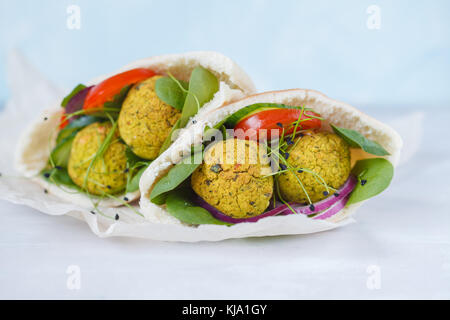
(404,233)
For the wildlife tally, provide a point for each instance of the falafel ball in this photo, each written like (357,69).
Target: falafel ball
(107,174)
(145,121)
(236,182)
(324,153)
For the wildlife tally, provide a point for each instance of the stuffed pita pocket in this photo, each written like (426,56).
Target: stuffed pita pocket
(306,164)
(92,149)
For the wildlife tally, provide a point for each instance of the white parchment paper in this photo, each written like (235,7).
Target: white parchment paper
(31,94)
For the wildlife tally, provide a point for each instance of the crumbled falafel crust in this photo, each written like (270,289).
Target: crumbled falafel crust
(107,174)
(324,153)
(235,183)
(145,121)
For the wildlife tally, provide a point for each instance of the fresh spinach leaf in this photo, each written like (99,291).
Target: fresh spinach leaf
(176,175)
(357,140)
(75,126)
(180,205)
(133,185)
(75,90)
(374,175)
(132,158)
(168,90)
(202,87)
(59,176)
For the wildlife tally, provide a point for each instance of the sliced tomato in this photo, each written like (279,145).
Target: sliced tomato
(63,122)
(277,119)
(107,89)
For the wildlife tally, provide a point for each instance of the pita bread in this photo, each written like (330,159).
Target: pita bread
(338,113)
(36,143)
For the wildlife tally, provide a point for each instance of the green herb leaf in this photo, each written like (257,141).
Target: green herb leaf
(357,140)
(173,178)
(202,87)
(58,177)
(132,158)
(181,207)
(134,183)
(374,175)
(168,90)
(75,90)
(61,153)
(75,126)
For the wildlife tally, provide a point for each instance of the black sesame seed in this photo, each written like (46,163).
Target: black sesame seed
(363,182)
(125,199)
(194,121)
(45,191)
(109,187)
(280,124)
(282,166)
(58,167)
(252,203)
(47,175)
(45,119)
(300,171)
(325,193)
(286,155)
(301,135)
(93,212)
(116,217)
(126,170)
(312,208)
(336,194)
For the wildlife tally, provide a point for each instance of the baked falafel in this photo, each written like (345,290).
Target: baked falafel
(236,183)
(107,173)
(145,121)
(326,155)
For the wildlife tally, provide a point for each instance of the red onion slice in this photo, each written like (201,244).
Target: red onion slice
(328,213)
(223,217)
(76,102)
(322,209)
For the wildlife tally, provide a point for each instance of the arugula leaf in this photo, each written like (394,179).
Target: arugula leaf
(168,90)
(374,175)
(357,140)
(176,175)
(180,206)
(75,90)
(202,87)
(133,185)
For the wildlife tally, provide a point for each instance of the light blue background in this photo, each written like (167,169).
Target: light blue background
(324,45)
